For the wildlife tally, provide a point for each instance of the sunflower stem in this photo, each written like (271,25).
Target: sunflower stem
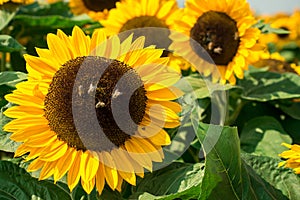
(3,62)
(232,118)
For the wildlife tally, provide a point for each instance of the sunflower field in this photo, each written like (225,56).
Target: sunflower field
(200,101)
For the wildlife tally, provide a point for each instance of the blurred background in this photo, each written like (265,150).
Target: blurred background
(269,6)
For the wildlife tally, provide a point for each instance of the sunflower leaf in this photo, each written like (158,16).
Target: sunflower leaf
(257,134)
(266,28)
(8,81)
(6,144)
(16,183)
(226,175)
(178,180)
(38,9)
(9,44)
(281,178)
(266,86)
(52,21)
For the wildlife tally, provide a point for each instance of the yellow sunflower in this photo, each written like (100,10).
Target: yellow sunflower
(145,14)
(283,21)
(276,63)
(96,9)
(16,1)
(142,14)
(224,30)
(292,157)
(94,109)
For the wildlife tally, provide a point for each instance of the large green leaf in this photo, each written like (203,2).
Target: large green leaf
(178,180)
(266,86)
(226,175)
(281,178)
(263,136)
(16,183)
(222,162)
(9,44)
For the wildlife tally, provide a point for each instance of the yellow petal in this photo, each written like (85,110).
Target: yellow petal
(88,186)
(165,94)
(88,166)
(47,170)
(110,171)
(64,164)
(124,167)
(161,138)
(73,174)
(100,178)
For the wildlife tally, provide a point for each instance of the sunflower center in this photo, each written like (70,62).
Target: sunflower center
(98,88)
(100,5)
(218,34)
(148,26)
(284,35)
(143,22)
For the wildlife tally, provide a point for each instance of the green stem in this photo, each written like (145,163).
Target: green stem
(3,62)
(231,119)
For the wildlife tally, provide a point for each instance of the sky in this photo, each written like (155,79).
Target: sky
(269,6)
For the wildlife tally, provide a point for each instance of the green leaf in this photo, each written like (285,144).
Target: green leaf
(291,108)
(267,29)
(38,9)
(12,78)
(8,81)
(266,86)
(6,144)
(222,176)
(281,178)
(199,87)
(16,183)
(178,180)
(5,18)
(52,21)
(226,175)
(263,136)
(9,44)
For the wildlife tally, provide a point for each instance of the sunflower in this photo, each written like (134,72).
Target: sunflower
(224,30)
(96,9)
(293,157)
(276,63)
(146,14)
(286,22)
(94,111)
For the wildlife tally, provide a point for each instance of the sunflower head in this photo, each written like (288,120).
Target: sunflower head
(94,112)
(276,63)
(223,29)
(144,16)
(286,22)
